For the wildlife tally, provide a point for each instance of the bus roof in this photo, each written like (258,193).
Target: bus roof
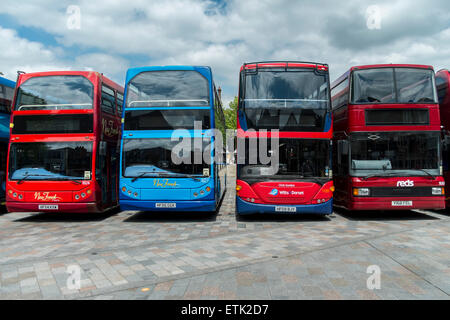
(88,74)
(7,82)
(376,66)
(391,65)
(203,70)
(444,71)
(284,64)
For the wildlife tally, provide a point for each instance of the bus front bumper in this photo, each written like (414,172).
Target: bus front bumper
(397,203)
(244,207)
(83,207)
(148,205)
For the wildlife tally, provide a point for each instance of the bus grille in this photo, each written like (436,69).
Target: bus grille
(400,192)
(285,200)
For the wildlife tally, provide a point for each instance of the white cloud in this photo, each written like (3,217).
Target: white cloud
(187,32)
(24,55)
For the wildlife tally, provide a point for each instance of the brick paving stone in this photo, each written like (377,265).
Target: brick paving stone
(221,257)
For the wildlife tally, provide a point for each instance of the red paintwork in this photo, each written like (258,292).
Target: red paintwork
(63,192)
(298,193)
(351,118)
(444,109)
(319,66)
(295,193)
(305,135)
(390,65)
(355,118)
(384,203)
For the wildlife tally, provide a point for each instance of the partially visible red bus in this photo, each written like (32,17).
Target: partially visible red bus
(386,140)
(64,145)
(443,91)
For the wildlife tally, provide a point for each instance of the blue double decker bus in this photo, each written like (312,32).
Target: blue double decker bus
(172,158)
(6,96)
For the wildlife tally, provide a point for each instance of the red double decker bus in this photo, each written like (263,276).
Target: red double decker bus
(292,98)
(387,138)
(443,91)
(64,145)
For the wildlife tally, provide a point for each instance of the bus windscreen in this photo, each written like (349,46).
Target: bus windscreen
(50,161)
(399,153)
(298,159)
(152,157)
(393,85)
(185,88)
(55,92)
(293,100)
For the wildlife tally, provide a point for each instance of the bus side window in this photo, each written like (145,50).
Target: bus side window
(3,97)
(342,157)
(100,170)
(119,103)
(441,86)
(108,100)
(445,152)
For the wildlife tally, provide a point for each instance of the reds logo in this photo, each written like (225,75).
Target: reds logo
(407,183)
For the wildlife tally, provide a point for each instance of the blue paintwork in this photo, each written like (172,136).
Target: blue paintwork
(147,191)
(8,83)
(202,206)
(244,207)
(4,126)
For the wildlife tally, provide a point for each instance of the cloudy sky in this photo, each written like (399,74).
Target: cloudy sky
(110,36)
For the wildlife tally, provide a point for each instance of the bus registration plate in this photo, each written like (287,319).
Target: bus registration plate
(48,207)
(402,203)
(285,209)
(166,205)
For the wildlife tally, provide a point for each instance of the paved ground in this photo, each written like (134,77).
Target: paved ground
(137,255)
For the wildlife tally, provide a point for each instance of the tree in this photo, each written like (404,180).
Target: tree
(231,114)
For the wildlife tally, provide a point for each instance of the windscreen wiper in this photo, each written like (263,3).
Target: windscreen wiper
(32,175)
(167,175)
(433,177)
(66,179)
(387,174)
(143,173)
(316,180)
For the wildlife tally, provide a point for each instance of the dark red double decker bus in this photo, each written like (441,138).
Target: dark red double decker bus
(443,91)
(387,138)
(65,140)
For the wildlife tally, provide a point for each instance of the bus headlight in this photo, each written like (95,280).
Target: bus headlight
(361,192)
(437,191)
